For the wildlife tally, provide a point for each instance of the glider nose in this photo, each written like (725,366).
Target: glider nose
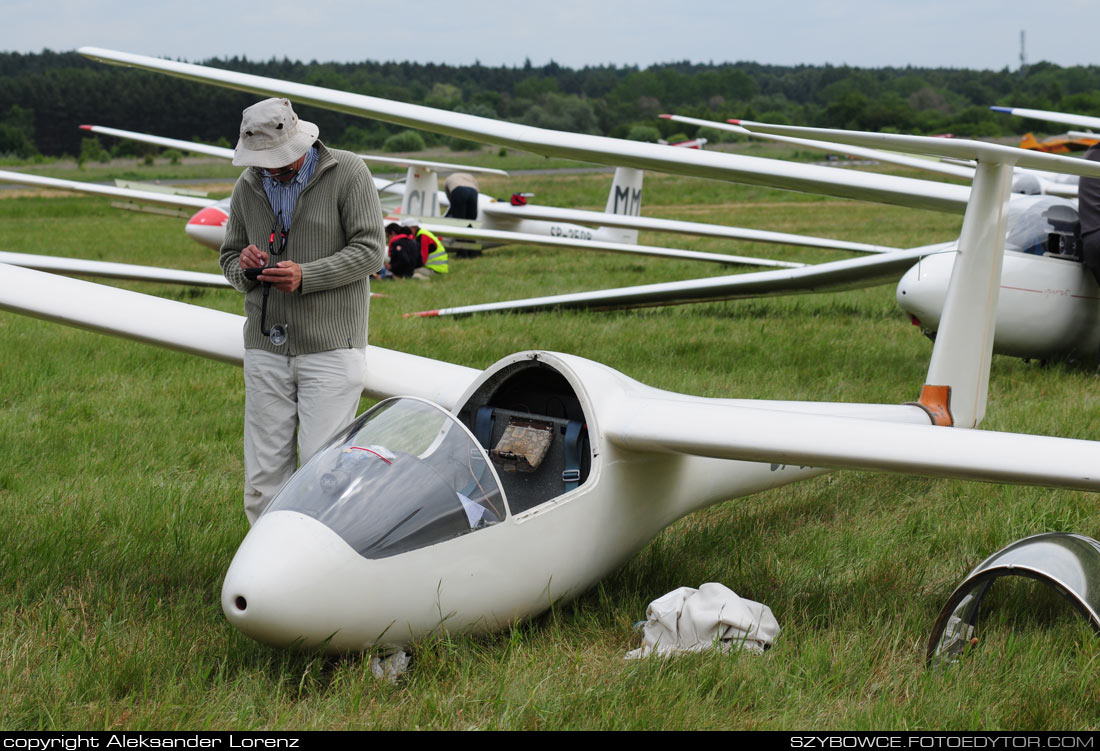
(923,288)
(207,227)
(291,584)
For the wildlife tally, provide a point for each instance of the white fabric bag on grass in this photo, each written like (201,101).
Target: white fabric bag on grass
(695,620)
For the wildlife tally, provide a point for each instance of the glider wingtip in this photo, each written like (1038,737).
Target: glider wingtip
(733,121)
(665,117)
(1002,109)
(85,127)
(423,314)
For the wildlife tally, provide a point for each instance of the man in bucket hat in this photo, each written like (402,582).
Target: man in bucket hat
(303,237)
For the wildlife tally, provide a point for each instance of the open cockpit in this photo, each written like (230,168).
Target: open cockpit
(530,421)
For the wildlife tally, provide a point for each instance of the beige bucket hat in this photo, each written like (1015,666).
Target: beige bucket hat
(272,136)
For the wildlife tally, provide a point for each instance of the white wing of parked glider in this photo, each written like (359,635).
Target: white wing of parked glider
(947,147)
(1080,121)
(169,143)
(202,331)
(823,277)
(722,430)
(141,196)
(144,196)
(640,418)
(110,270)
(602,219)
(477,233)
(928,165)
(602,150)
(224,153)
(1047,182)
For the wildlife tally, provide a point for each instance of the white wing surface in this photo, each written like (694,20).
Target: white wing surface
(824,277)
(224,153)
(1080,121)
(144,196)
(599,149)
(202,331)
(649,421)
(1051,184)
(169,143)
(110,270)
(602,219)
(503,236)
(944,147)
(928,165)
(722,430)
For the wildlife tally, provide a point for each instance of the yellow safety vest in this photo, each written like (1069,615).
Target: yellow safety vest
(437,259)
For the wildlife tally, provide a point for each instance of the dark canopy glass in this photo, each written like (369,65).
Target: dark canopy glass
(404,475)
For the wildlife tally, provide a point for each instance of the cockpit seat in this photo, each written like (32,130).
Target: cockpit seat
(537,457)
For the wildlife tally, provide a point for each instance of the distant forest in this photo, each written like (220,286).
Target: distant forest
(43,97)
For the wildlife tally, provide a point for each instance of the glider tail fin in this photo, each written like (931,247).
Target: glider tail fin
(625,198)
(421,192)
(1029,141)
(957,384)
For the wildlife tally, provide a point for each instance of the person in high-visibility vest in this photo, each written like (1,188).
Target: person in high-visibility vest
(432,251)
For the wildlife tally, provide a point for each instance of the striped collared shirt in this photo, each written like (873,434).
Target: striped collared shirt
(284,196)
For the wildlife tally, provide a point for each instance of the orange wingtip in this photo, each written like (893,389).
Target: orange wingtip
(422,314)
(85,127)
(733,121)
(665,117)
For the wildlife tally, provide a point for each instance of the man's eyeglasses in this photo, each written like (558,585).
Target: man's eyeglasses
(285,172)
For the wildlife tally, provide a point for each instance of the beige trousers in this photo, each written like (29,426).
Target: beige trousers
(292,407)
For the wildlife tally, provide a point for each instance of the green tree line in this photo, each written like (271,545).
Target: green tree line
(44,96)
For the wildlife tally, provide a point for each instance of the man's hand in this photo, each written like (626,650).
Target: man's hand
(251,257)
(285,276)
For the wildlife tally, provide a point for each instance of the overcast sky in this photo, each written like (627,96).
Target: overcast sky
(983,34)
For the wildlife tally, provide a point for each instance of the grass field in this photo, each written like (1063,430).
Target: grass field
(120,492)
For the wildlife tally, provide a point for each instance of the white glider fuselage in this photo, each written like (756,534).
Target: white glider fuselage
(295,581)
(207,225)
(1049,303)
(1049,306)
(489,220)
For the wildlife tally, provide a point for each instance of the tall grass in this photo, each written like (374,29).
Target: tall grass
(120,494)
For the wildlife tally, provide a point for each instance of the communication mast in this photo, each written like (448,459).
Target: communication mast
(1023,55)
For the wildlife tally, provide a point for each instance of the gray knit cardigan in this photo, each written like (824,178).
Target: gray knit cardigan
(335,236)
